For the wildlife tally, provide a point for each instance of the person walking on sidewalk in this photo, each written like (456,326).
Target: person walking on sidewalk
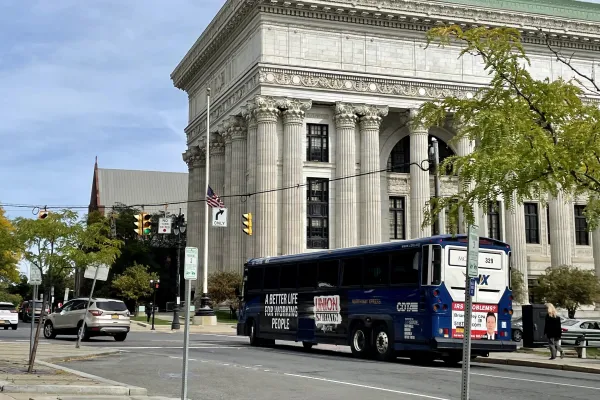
(553,331)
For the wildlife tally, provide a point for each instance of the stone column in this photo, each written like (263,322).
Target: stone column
(560,230)
(237,237)
(217,177)
(515,236)
(226,191)
(293,225)
(195,157)
(346,205)
(250,201)
(370,118)
(266,221)
(420,190)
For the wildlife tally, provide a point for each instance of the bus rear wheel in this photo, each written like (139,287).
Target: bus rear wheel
(254,340)
(359,342)
(384,344)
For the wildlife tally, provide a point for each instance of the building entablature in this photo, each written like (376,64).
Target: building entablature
(400,14)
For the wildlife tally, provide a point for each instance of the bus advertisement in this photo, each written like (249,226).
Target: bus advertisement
(403,298)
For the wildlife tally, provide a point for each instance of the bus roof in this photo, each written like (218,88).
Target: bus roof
(375,248)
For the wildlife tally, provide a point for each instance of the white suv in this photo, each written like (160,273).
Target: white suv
(9,317)
(105,317)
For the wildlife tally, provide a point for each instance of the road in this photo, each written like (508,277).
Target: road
(224,367)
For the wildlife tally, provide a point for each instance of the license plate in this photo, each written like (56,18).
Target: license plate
(460,330)
(115,316)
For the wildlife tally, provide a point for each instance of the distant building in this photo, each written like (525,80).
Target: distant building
(150,189)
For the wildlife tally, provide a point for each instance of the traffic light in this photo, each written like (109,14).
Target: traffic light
(147,223)
(42,214)
(248,224)
(138,223)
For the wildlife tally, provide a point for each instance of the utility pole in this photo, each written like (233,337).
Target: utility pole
(434,156)
(179,229)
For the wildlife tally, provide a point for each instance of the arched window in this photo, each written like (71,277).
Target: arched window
(399,160)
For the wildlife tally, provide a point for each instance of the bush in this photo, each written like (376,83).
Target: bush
(11,298)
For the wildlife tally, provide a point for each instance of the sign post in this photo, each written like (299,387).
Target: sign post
(35,279)
(96,273)
(190,272)
(472,272)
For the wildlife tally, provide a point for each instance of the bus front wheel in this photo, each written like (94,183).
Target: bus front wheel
(384,344)
(359,342)
(254,340)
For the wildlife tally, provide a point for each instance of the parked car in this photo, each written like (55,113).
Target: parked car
(25,312)
(9,318)
(106,317)
(580,325)
(517,328)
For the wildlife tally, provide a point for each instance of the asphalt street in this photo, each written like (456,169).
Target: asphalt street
(225,367)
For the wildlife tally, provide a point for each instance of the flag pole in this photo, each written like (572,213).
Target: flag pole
(205,309)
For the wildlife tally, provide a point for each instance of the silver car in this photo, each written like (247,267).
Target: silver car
(105,317)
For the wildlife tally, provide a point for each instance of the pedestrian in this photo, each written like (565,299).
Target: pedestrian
(553,331)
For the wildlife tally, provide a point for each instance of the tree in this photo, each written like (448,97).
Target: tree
(568,287)
(532,136)
(60,243)
(518,286)
(9,254)
(134,283)
(222,285)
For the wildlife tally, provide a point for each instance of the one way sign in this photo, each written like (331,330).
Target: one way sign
(219,217)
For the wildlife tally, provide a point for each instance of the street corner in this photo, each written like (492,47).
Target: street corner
(568,364)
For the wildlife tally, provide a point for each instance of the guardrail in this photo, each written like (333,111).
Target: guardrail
(582,342)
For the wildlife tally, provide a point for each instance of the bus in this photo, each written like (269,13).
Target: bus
(398,299)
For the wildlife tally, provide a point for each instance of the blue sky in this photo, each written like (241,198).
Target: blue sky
(80,79)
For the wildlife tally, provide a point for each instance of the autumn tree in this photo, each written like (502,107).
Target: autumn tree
(60,243)
(568,287)
(9,251)
(134,283)
(222,285)
(532,137)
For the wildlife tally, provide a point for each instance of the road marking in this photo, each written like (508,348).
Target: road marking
(536,381)
(177,347)
(366,386)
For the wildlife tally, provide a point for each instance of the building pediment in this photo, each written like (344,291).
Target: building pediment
(565,19)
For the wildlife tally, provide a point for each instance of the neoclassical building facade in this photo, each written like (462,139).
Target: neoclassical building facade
(310,104)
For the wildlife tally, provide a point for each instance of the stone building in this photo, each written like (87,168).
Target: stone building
(306,92)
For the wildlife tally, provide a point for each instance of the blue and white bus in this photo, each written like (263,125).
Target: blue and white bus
(403,298)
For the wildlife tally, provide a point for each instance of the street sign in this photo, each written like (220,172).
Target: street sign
(472,287)
(473,252)
(35,275)
(164,225)
(90,273)
(219,217)
(191,263)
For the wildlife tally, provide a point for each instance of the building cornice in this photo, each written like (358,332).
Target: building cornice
(403,14)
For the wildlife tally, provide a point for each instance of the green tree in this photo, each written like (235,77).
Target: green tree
(532,136)
(518,286)
(60,243)
(222,285)
(10,298)
(9,251)
(568,287)
(134,283)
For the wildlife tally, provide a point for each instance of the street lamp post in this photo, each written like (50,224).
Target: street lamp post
(154,285)
(434,156)
(179,229)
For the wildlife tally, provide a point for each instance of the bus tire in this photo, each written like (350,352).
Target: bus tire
(308,345)
(383,343)
(254,340)
(359,341)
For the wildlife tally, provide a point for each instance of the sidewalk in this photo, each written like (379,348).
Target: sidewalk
(50,381)
(539,358)
(220,328)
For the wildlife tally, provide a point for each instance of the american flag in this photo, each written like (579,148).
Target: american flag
(213,200)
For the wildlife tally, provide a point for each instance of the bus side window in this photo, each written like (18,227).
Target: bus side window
(271,278)
(255,278)
(377,270)
(437,264)
(307,275)
(352,273)
(328,275)
(405,267)
(289,276)
(425,266)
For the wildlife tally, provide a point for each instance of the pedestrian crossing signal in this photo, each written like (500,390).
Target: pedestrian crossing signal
(247,224)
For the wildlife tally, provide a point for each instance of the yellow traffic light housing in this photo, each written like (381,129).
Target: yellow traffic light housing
(42,214)
(247,224)
(138,223)
(147,223)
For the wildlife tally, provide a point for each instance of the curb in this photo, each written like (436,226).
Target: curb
(537,364)
(7,387)
(52,359)
(131,390)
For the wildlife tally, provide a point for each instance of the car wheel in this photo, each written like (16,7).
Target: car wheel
(49,330)
(517,335)
(119,337)
(359,342)
(6,328)
(14,327)
(384,344)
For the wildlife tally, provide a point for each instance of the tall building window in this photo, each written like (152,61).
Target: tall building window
(493,219)
(400,157)
(317,207)
(318,136)
(582,236)
(397,221)
(532,283)
(532,223)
